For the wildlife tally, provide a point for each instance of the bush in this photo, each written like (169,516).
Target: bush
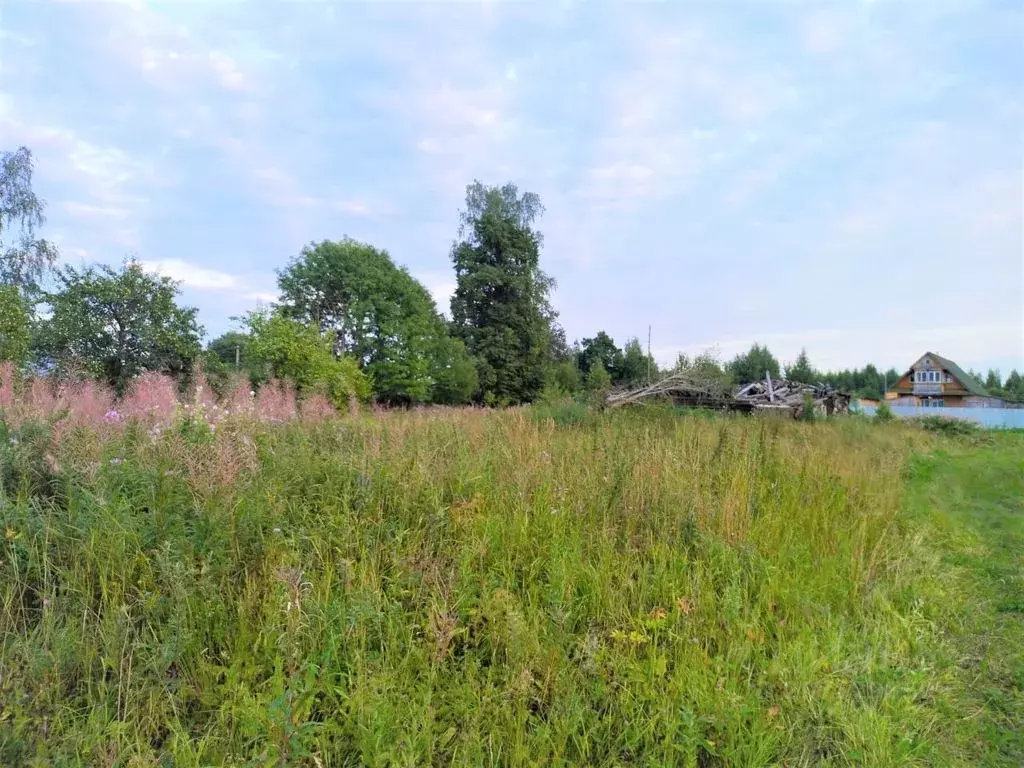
(563,412)
(286,349)
(947,425)
(807,411)
(883,412)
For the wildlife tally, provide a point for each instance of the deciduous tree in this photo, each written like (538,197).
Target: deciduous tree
(453,372)
(636,366)
(14,325)
(118,323)
(378,313)
(284,348)
(24,257)
(602,349)
(230,349)
(500,308)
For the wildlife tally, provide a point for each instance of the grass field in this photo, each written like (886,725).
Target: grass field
(483,588)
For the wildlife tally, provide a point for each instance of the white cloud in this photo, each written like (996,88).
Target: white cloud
(94,212)
(441,286)
(355,207)
(192,276)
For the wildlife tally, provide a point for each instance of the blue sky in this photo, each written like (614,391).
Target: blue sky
(845,176)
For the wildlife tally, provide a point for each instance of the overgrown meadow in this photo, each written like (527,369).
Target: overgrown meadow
(254,582)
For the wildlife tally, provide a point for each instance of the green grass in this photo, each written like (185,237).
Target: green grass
(480,588)
(969,498)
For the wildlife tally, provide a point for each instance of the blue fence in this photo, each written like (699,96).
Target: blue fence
(995,418)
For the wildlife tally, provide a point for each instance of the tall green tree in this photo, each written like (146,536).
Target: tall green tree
(500,308)
(284,348)
(600,348)
(1014,386)
(636,366)
(753,364)
(993,381)
(118,323)
(24,257)
(14,325)
(379,314)
(801,369)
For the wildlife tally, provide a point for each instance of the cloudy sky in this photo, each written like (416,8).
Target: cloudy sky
(845,176)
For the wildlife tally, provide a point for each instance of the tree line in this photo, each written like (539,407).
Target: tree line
(348,322)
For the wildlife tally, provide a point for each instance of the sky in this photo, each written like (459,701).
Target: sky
(842,176)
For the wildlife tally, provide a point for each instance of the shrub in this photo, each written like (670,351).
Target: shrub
(883,412)
(947,425)
(563,412)
(807,410)
(287,349)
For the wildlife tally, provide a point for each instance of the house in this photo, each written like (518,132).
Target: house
(934,381)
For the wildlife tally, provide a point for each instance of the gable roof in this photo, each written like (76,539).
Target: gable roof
(970,383)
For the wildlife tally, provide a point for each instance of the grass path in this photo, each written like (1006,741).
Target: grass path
(972,497)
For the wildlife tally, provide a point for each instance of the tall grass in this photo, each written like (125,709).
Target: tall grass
(463,587)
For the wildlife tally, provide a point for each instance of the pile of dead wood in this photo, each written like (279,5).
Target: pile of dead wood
(791,395)
(689,388)
(681,388)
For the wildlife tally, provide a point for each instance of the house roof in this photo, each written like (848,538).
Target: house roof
(970,383)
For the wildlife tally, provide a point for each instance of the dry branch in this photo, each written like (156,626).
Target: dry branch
(694,388)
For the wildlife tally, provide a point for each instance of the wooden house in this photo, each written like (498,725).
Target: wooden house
(934,381)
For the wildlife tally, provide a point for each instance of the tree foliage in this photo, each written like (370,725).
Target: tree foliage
(709,371)
(636,366)
(24,258)
(600,348)
(562,379)
(753,364)
(453,371)
(118,323)
(598,379)
(1013,387)
(14,325)
(378,313)
(284,348)
(801,369)
(500,308)
(230,349)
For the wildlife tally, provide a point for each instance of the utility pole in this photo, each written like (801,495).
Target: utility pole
(238,351)
(648,354)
